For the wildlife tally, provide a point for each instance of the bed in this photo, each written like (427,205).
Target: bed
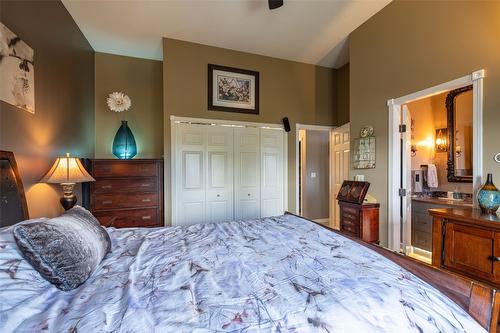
(279,274)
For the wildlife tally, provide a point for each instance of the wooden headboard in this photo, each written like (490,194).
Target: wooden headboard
(13,207)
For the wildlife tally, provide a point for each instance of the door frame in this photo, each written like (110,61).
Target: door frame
(220,122)
(394,158)
(299,127)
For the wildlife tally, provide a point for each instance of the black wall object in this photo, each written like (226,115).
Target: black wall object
(273,4)
(286,124)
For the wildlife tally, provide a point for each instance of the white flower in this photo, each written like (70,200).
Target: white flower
(119,102)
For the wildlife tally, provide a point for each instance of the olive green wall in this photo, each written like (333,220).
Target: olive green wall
(343,95)
(412,45)
(64,99)
(304,93)
(142,81)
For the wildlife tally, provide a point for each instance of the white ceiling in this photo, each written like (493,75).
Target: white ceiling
(310,31)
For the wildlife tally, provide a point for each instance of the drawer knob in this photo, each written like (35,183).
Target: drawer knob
(146,200)
(218,195)
(494,258)
(107,202)
(147,217)
(249,194)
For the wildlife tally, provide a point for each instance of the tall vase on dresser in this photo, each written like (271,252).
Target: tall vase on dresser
(489,196)
(124,145)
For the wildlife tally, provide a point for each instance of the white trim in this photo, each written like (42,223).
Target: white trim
(314,127)
(175,119)
(394,158)
(219,122)
(299,127)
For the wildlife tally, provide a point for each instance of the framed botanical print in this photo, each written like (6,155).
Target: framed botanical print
(233,89)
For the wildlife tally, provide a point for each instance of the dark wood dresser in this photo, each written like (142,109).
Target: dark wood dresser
(467,242)
(128,193)
(360,220)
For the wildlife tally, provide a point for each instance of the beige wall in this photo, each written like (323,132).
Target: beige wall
(64,99)
(142,81)
(409,46)
(343,95)
(303,93)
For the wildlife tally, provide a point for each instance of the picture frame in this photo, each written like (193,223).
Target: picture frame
(353,191)
(233,89)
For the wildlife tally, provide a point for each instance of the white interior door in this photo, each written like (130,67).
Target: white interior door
(189,172)
(246,173)
(339,164)
(219,178)
(406,178)
(271,180)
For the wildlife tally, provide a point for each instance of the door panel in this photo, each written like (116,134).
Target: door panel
(340,164)
(189,195)
(219,195)
(247,173)
(271,172)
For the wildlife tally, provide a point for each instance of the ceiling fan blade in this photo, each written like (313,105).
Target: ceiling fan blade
(273,4)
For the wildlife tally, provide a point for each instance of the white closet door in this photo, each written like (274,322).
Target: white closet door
(219,194)
(246,173)
(190,174)
(271,154)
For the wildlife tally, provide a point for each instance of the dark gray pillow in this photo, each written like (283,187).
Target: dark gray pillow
(65,250)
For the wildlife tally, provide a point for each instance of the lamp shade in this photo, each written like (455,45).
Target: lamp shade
(67,170)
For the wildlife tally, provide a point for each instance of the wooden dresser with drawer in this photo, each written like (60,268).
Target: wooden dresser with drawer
(128,193)
(360,220)
(467,242)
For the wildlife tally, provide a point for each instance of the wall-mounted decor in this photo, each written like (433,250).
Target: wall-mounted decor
(364,149)
(233,89)
(17,72)
(124,146)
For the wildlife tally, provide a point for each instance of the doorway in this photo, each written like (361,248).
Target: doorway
(420,148)
(322,165)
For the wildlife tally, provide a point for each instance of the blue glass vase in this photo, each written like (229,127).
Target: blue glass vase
(124,146)
(489,197)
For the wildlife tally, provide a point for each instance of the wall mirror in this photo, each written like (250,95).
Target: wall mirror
(460,123)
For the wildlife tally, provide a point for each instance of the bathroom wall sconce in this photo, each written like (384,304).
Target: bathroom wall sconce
(413,150)
(441,140)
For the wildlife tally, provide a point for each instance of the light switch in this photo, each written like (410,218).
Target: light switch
(313,174)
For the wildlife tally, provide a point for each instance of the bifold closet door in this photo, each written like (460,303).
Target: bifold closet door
(203,174)
(272,173)
(246,173)
(189,173)
(219,195)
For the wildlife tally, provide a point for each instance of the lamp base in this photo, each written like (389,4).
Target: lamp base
(69,198)
(68,202)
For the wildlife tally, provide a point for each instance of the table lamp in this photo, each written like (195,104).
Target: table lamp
(67,171)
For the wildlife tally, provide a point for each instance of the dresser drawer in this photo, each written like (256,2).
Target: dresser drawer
(129,218)
(350,228)
(125,200)
(119,168)
(125,185)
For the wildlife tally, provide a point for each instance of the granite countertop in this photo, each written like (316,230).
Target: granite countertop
(444,202)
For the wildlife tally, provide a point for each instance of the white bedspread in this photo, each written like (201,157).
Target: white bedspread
(280,274)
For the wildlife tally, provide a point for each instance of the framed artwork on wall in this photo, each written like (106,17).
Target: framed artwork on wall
(17,72)
(233,89)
